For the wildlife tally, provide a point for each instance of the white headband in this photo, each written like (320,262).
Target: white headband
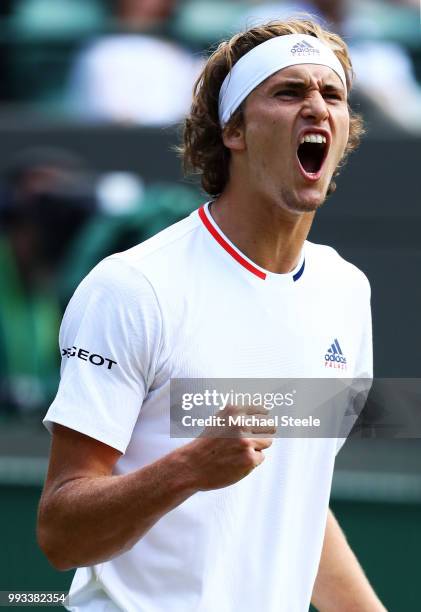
(266,59)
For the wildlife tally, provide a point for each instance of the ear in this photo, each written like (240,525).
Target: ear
(233,137)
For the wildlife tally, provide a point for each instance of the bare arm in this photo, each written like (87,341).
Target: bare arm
(341,583)
(87,515)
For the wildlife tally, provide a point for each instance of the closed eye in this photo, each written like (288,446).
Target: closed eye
(288,93)
(332,95)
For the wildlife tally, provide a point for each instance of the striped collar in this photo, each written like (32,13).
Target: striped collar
(236,254)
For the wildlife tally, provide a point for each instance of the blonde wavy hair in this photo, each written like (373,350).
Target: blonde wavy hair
(203,150)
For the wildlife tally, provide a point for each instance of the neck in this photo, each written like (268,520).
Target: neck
(264,231)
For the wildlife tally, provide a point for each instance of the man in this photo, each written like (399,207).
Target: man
(155,523)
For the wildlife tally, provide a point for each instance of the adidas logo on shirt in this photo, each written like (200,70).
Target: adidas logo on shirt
(334,357)
(303,48)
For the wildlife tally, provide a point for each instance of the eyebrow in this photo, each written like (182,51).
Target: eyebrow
(302,84)
(290,82)
(333,88)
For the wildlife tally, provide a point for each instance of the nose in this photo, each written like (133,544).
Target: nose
(315,107)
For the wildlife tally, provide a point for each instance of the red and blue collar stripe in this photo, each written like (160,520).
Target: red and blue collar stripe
(222,241)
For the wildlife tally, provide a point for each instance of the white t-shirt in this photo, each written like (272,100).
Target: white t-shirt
(187,304)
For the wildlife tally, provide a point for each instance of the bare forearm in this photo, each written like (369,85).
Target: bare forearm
(87,515)
(341,583)
(90,520)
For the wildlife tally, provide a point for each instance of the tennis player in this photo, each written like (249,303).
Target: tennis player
(158,524)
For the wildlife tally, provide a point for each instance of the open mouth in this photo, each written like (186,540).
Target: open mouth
(312,153)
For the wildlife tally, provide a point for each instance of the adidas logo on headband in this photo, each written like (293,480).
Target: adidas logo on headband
(303,48)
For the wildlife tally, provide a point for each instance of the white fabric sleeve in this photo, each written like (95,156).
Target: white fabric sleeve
(364,364)
(110,342)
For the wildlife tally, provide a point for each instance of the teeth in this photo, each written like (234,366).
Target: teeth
(313,138)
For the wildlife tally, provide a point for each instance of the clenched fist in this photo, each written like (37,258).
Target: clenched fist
(224,454)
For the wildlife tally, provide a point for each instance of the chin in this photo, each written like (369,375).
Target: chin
(304,202)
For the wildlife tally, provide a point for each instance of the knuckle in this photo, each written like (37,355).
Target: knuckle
(244,442)
(249,456)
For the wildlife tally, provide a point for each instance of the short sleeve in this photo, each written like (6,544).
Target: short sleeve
(363,370)
(110,341)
